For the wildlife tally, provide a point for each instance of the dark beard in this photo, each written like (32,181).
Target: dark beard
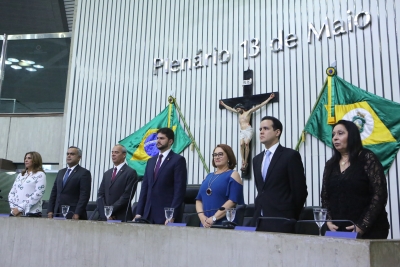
(162,147)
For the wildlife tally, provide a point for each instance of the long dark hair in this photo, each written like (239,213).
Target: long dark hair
(354,144)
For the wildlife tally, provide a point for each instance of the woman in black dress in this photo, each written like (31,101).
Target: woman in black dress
(354,185)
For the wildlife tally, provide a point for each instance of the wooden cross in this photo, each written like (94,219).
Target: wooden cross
(248,100)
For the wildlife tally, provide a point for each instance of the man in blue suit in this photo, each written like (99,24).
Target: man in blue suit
(164,181)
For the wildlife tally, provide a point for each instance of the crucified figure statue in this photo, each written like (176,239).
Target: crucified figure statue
(246,131)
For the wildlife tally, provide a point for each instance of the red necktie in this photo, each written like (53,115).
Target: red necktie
(113,175)
(157,166)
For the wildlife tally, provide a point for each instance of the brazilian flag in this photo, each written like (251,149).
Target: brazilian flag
(141,145)
(376,117)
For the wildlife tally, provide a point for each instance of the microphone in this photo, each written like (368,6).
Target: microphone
(130,197)
(70,211)
(197,213)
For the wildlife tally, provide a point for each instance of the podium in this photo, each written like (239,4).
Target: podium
(47,242)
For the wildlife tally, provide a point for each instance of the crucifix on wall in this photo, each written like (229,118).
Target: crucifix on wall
(245,106)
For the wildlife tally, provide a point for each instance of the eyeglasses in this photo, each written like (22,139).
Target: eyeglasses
(218,155)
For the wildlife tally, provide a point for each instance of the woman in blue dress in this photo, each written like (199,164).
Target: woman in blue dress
(221,188)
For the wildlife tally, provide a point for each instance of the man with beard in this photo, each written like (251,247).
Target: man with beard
(246,131)
(164,181)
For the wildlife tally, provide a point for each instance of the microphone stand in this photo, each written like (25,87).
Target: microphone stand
(315,221)
(23,210)
(197,213)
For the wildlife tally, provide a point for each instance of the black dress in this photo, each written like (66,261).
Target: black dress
(358,194)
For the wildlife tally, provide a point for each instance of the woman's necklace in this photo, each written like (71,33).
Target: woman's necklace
(25,177)
(209,190)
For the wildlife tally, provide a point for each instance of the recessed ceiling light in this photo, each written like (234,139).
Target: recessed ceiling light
(30,62)
(24,64)
(8,62)
(12,59)
(31,69)
(38,66)
(16,67)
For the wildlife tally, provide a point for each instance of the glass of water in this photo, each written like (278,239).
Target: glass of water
(320,217)
(108,211)
(230,214)
(64,210)
(169,213)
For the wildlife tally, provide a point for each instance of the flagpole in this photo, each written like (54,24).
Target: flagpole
(172,100)
(3,60)
(303,134)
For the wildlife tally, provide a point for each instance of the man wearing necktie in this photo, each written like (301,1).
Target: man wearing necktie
(279,175)
(71,187)
(164,181)
(117,187)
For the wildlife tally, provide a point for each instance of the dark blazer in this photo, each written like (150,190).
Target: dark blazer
(168,190)
(117,193)
(284,191)
(75,193)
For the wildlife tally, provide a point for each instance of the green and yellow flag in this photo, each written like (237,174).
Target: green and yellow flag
(141,145)
(377,118)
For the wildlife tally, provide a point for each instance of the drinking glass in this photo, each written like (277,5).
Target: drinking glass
(64,210)
(25,208)
(230,214)
(108,211)
(320,217)
(169,212)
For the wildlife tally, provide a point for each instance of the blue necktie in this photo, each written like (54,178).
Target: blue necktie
(266,164)
(66,176)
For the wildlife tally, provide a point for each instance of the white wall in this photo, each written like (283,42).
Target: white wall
(112,91)
(23,133)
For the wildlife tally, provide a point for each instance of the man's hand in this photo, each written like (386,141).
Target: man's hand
(75,217)
(172,220)
(137,216)
(50,215)
(272,95)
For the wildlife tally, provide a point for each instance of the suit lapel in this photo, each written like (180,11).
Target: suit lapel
(70,176)
(119,173)
(258,162)
(274,161)
(152,165)
(162,167)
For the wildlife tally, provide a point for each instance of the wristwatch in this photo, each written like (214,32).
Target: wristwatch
(214,218)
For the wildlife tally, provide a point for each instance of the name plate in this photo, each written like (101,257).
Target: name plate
(338,234)
(177,224)
(245,228)
(113,221)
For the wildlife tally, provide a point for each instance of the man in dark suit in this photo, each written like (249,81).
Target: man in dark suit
(279,175)
(117,187)
(164,181)
(71,187)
